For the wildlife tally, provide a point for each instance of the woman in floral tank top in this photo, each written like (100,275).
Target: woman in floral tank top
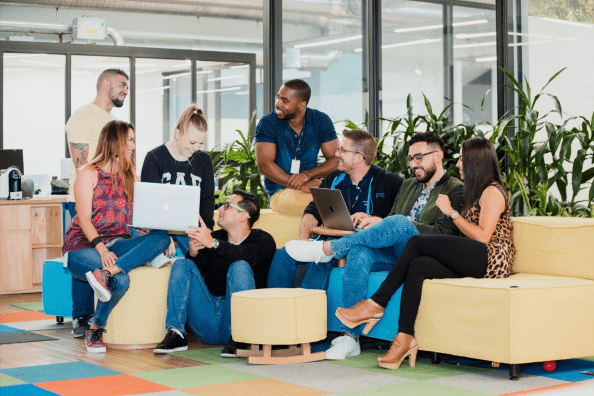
(485,250)
(100,248)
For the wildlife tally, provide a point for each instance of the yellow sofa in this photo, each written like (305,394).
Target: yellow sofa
(544,311)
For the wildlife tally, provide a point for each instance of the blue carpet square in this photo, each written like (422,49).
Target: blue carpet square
(58,372)
(8,329)
(29,390)
(567,370)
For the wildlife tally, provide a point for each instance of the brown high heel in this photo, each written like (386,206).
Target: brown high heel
(399,350)
(362,312)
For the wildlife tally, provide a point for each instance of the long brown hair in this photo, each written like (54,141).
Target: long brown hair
(191,115)
(481,168)
(111,148)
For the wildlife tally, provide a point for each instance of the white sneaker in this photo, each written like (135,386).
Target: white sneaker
(307,251)
(342,348)
(160,261)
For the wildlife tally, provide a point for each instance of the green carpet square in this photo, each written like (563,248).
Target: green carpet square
(190,377)
(206,355)
(7,380)
(413,388)
(423,370)
(30,306)
(588,358)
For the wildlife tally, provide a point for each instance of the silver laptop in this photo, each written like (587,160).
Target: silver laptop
(166,207)
(333,209)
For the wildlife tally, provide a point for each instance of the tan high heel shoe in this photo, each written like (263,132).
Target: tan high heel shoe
(399,350)
(362,312)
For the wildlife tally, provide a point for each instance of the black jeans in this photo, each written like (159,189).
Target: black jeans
(429,257)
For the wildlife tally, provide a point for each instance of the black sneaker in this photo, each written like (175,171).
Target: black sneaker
(229,349)
(80,326)
(172,342)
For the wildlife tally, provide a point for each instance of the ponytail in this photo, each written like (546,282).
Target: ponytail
(191,115)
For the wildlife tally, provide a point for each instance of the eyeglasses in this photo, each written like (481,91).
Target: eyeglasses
(342,150)
(417,157)
(239,209)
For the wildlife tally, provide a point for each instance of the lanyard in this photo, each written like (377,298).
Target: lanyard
(298,147)
(352,206)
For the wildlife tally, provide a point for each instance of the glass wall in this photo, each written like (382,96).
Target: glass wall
(322,43)
(34,114)
(418,58)
(223,94)
(163,91)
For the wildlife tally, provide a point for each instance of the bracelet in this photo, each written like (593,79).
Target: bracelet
(308,176)
(96,241)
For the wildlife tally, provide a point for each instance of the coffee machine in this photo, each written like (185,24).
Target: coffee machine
(10,184)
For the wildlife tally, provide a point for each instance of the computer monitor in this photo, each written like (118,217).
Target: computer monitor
(11,157)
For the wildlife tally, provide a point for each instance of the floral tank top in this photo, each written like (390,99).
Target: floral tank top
(111,214)
(501,250)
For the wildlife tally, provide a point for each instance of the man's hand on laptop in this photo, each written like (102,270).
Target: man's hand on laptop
(200,238)
(363,220)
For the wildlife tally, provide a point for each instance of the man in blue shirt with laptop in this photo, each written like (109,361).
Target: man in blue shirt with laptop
(288,141)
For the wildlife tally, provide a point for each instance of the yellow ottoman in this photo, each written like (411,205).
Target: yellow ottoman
(138,320)
(279,317)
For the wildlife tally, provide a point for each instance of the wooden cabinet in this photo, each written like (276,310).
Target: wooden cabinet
(30,233)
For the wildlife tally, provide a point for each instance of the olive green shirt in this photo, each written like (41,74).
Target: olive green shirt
(431,221)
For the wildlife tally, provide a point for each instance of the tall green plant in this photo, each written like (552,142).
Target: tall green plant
(236,165)
(533,168)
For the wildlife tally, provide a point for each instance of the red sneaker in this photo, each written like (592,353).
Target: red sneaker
(94,340)
(100,279)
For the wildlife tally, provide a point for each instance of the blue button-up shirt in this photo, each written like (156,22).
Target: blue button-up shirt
(318,129)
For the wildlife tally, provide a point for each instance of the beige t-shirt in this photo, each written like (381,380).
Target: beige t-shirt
(84,126)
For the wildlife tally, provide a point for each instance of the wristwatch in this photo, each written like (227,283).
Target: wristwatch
(454,215)
(214,244)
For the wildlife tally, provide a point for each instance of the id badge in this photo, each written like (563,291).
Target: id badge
(295,165)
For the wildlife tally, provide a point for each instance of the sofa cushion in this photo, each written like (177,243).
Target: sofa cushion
(524,318)
(557,246)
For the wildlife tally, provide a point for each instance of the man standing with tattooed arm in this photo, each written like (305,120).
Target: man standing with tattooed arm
(83,130)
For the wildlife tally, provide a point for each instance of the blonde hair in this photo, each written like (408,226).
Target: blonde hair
(191,115)
(112,148)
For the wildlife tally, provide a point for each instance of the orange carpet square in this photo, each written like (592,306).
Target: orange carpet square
(257,387)
(24,317)
(100,386)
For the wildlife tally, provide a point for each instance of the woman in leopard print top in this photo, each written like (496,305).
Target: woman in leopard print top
(485,250)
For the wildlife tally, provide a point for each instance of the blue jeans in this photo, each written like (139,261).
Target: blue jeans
(373,249)
(282,272)
(83,303)
(188,300)
(131,253)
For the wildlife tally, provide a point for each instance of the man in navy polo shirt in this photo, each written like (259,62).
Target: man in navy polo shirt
(288,141)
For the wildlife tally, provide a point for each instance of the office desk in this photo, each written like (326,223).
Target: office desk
(30,233)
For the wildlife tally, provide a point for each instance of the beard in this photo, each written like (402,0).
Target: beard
(117,103)
(285,116)
(428,173)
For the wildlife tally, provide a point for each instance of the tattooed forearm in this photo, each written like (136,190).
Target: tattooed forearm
(79,153)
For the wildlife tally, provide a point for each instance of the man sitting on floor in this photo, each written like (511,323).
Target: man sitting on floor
(218,264)
(368,190)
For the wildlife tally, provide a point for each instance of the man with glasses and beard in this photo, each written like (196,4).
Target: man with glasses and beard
(218,264)
(83,130)
(288,142)
(414,212)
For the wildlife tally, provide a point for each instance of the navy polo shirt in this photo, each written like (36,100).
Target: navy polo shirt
(318,129)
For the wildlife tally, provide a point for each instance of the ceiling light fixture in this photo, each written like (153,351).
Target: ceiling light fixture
(487,59)
(327,42)
(473,35)
(487,44)
(240,67)
(218,90)
(176,75)
(225,78)
(41,63)
(433,27)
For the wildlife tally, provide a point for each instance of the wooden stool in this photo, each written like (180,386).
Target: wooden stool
(279,317)
(335,233)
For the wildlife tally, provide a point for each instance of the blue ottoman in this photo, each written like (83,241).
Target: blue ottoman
(386,328)
(56,289)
